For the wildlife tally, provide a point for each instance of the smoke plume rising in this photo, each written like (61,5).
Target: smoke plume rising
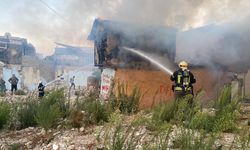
(34,21)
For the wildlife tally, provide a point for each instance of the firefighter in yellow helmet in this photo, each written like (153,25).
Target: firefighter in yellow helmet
(183,80)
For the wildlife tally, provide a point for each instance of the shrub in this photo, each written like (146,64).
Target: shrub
(125,102)
(47,115)
(164,112)
(189,140)
(116,136)
(225,118)
(95,111)
(227,110)
(76,118)
(26,113)
(57,97)
(224,98)
(201,121)
(178,111)
(2,94)
(4,113)
(51,109)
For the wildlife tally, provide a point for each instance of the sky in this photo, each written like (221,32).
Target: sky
(44,22)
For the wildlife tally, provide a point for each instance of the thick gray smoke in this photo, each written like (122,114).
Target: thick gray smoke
(33,20)
(225,45)
(221,42)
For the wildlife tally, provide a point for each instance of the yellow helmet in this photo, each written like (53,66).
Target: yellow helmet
(183,65)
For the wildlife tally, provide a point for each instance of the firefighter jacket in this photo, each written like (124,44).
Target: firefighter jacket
(183,80)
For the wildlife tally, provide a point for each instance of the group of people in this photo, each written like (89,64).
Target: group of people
(13,81)
(183,82)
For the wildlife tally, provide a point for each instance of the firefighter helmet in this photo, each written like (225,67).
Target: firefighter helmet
(183,65)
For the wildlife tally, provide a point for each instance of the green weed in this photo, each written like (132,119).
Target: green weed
(95,112)
(4,113)
(26,113)
(125,102)
(120,137)
(50,109)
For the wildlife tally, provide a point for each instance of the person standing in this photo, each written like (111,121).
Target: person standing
(2,85)
(183,81)
(72,82)
(13,81)
(41,89)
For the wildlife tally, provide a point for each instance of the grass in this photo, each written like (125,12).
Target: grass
(190,140)
(5,110)
(116,136)
(26,114)
(51,109)
(2,94)
(128,103)
(175,111)
(95,112)
(195,128)
(181,112)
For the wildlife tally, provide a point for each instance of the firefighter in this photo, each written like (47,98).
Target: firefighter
(41,89)
(72,83)
(183,80)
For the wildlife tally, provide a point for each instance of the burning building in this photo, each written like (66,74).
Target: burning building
(108,36)
(109,39)
(170,46)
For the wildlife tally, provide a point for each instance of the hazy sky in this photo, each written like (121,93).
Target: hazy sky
(33,20)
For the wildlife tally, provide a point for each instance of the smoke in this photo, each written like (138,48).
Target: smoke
(34,21)
(225,45)
(222,42)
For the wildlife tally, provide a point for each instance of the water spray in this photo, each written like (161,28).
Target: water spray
(158,64)
(63,76)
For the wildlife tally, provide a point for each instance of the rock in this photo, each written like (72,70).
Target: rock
(55,147)
(29,145)
(43,132)
(82,129)
(31,128)
(62,145)
(56,133)
(59,126)
(71,147)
